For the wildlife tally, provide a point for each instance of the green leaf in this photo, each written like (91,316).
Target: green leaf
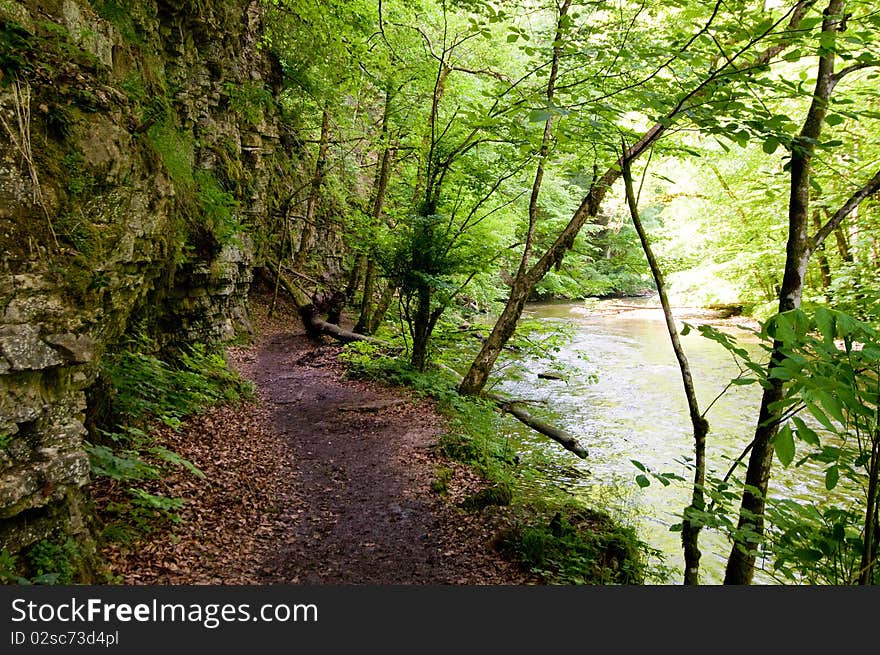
(830,404)
(820,416)
(826,323)
(639,465)
(804,432)
(643,481)
(539,115)
(832,475)
(784,445)
(834,119)
(770,145)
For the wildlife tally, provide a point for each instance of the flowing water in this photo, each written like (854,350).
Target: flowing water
(623,397)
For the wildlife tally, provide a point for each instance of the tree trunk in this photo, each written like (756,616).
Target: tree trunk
(750,526)
(477,375)
(824,268)
(869,542)
(421,331)
(381,308)
(369,288)
(309,227)
(355,276)
(690,533)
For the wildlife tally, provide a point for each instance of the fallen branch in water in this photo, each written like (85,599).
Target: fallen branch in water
(522,414)
(515,409)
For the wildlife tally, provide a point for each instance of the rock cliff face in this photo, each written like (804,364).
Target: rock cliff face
(141,157)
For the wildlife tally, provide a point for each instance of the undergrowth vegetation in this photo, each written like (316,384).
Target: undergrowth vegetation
(552,534)
(143,392)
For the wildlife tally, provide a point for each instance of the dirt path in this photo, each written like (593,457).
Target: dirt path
(322,480)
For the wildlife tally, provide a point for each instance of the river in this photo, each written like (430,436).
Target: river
(623,397)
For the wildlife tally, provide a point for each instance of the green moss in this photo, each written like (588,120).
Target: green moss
(440,484)
(134,87)
(120,16)
(207,208)
(176,148)
(80,180)
(497,494)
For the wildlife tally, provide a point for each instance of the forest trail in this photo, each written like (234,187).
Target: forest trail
(320,480)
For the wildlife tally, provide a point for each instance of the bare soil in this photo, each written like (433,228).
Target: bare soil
(319,480)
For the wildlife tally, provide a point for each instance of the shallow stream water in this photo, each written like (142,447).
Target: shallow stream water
(623,397)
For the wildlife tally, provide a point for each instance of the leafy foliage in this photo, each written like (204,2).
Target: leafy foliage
(830,410)
(146,387)
(579,547)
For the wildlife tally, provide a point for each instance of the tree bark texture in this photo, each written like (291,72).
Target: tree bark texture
(750,526)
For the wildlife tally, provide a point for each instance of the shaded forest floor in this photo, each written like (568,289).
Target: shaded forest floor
(318,480)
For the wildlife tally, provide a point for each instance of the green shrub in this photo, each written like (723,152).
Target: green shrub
(145,387)
(53,562)
(579,547)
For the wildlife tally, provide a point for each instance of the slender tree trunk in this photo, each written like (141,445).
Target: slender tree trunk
(369,289)
(842,245)
(421,328)
(356,275)
(309,227)
(690,533)
(750,527)
(381,308)
(824,268)
(869,542)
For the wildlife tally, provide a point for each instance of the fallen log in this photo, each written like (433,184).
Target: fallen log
(522,414)
(314,324)
(515,409)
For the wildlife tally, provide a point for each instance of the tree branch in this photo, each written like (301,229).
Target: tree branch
(869,189)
